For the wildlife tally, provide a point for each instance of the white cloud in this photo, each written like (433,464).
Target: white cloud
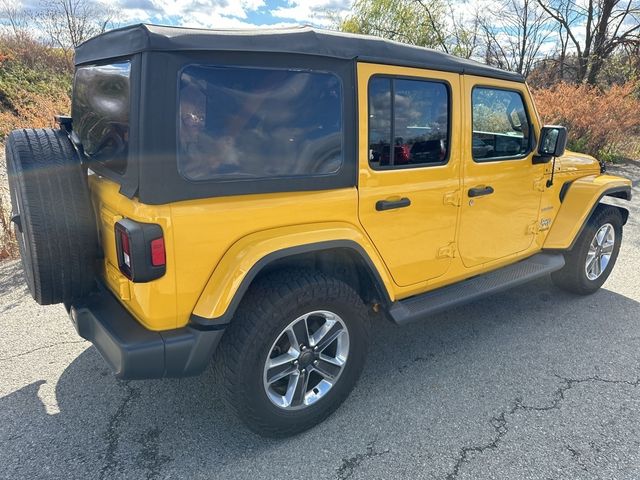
(312,11)
(192,13)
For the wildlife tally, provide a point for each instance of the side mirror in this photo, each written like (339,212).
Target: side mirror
(553,141)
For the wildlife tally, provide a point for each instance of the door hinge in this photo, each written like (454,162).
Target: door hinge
(452,198)
(448,251)
(540,185)
(533,228)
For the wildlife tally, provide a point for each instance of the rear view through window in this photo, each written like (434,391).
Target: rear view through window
(238,122)
(501,127)
(411,115)
(100,113)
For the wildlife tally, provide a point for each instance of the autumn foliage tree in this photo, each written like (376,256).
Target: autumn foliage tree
(603,123)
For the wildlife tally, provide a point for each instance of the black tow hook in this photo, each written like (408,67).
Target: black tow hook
(15,218)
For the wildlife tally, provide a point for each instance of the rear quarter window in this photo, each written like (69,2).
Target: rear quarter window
(254,123)
(100,111)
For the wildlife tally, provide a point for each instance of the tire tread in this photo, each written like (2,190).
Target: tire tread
(256,308)
(57,214)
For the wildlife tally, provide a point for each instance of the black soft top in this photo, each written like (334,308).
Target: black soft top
(303,40)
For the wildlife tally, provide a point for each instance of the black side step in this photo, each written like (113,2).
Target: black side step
(420,306)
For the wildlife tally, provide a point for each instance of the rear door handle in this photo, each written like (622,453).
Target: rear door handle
(480,191)
(391,204)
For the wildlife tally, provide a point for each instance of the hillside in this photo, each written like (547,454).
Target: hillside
(35,85)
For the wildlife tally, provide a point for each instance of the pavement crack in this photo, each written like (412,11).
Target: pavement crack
(577,456)
(500,423)
(568,384)
(350,464)
(43,347)
(149,456)
(113,431)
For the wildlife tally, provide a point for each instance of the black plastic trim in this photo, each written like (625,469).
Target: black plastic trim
(565,189)
(541,159)
(225,319)
(442,299)
(132,351)
(65,122)
(382,205)
(203,323)
(480,191)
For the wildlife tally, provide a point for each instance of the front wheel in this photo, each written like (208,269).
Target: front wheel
(590,261)
(293,352)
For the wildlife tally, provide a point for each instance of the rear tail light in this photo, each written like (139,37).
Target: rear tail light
(158,257)
(140,249)
(126,249)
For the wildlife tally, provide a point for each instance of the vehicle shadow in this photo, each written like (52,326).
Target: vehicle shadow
(500,346)
(13,285)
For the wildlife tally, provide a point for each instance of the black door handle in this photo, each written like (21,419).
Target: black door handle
(480,191)
(390,204)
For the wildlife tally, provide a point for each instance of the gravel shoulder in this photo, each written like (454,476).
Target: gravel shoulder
(529,384)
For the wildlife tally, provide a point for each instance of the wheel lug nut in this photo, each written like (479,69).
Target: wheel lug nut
(302,347)
(315,349)
(295,362)
(315,362)
(303,371)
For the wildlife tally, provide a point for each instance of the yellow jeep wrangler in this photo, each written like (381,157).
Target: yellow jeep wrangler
(260,197)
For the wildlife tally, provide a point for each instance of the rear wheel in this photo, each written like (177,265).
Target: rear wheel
(293,352)
(590,261)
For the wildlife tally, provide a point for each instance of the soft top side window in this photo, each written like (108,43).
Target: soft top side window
(501,126)
(255,123)
(100,112)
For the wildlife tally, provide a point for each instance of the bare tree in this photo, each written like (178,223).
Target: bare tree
(514,35)
(68,23)
(14,17)
(464,34)
(595,29)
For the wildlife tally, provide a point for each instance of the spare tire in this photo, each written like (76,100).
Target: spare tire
(52,215)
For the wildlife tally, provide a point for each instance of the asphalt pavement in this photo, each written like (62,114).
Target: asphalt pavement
(533,383)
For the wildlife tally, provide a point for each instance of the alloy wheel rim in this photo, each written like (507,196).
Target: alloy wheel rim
(306,360)
(600,251)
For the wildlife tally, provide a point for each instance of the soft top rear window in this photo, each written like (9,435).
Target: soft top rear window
(245,122)
(100,113)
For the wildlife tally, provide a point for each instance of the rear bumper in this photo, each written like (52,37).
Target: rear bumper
(132,351)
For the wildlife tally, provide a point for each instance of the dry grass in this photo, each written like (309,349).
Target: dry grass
(8,245)
(35,83)
(602,123)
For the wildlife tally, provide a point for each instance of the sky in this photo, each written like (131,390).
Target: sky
(231,13)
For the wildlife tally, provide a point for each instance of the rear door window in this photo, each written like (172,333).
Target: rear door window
(410,117)
(244,122)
